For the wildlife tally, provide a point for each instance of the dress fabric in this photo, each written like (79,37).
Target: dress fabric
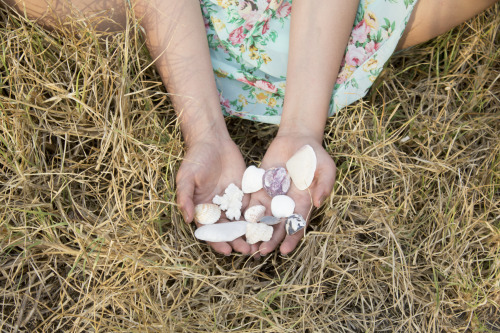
(248,42)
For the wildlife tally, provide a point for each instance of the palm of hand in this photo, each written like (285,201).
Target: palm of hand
(213,170)
(206,171)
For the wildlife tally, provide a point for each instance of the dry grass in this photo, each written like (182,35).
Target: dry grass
(91,239)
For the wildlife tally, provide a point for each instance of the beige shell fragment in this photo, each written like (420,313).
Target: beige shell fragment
(258,232)
(302,166)
(255,213)
(207,213)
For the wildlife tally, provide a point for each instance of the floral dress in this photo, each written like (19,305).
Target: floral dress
(248,42)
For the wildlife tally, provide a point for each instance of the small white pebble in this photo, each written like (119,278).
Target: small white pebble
(282,206)
(403,140)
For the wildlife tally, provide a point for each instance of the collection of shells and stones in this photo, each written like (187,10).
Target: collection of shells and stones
(256,227)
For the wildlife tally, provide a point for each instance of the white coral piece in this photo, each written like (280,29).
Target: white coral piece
(258,232)
(230,201)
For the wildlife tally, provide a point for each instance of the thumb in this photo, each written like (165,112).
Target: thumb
(185,193)
(325,179)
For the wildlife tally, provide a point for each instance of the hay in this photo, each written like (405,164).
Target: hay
(91,239)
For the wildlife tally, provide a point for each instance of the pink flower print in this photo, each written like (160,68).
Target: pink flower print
(273,4)
(360,32)
(345,74)
(284,10)
(207,23)
(371,47)
(225,103)
(237,36)
(250,19)
(265,27)
(264,85)
(204,9)
(342,77)
(355,55)
(342,63)
(244,80)
(246,7)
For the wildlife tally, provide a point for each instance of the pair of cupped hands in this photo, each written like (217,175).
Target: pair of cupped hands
(212,163)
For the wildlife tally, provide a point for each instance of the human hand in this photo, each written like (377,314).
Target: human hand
(209,166)
(284,146)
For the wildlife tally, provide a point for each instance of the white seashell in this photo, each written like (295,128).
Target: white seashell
(282,206)
(252,179)
(230,201)
(258,232)
(221,232)
(302,166)
(207,213)
(255,213)
(271,220)
(294,223)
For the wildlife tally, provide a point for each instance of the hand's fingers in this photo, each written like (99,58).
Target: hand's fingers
(221,247)
(278,235)
(240,245)
(290,242)
(245,203)
(259,198)
(185,193)
(325,179)
(254,250)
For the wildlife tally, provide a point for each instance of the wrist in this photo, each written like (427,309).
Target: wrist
(201,123)
(304,117)
(204,131)
(300,127)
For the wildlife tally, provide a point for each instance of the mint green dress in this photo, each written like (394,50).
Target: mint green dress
(248,43)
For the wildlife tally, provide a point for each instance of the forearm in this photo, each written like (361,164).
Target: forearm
(176,38)
(319,34)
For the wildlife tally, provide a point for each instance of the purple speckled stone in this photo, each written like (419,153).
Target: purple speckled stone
(276,181)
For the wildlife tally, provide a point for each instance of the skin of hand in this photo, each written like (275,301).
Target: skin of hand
(209,166)
(281,149)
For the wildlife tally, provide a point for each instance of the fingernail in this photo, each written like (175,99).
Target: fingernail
(184,216)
